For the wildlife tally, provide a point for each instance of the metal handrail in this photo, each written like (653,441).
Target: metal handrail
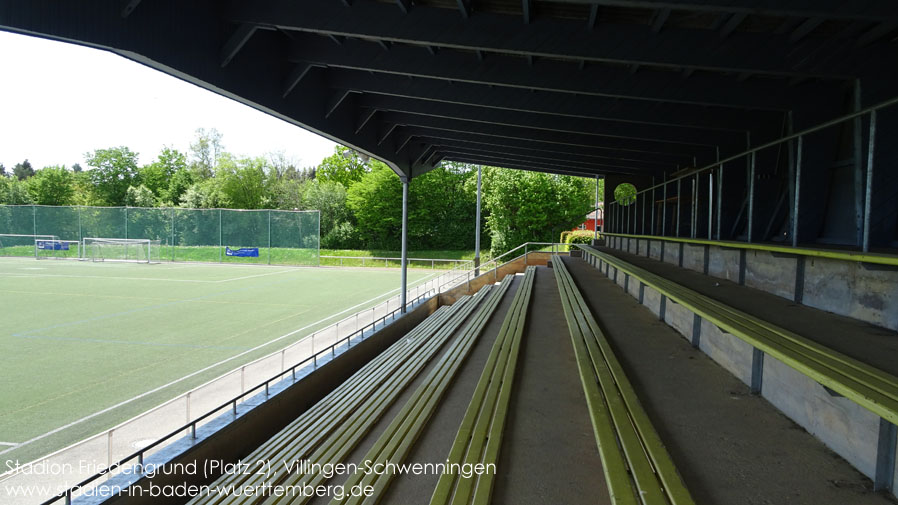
(386,259)
(616,208)
(139,454)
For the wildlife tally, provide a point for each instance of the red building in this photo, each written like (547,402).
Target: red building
(590,222)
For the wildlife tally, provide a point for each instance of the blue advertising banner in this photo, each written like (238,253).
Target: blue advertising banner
(243,252)
(52,245)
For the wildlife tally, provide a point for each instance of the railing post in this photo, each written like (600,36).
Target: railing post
(751,196)
(652,229)
(796,207)
(664,208)
(868,194)
(710,202)
(679,194)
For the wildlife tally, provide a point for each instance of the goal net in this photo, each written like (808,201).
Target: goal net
(12,244)
(53,248)
(120,249)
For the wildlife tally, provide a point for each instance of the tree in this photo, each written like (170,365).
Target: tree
(115,169)
(140,196)
(344,166)
(328,197)
(23,170)
(531,206)
(157,176)
(625,193)
(2,170)
(376,203)
(180,181)
(52,186)
(442,212)
(13,192)
(205,152)
(76,168)
(243,181)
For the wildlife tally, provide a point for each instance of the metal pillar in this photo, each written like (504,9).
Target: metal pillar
(402,294)
(868,197)
(693,208)
(664,208)
(710,201)
(679,194)
(652,229)
(795,204)
(595,221)
(477,227)
(751,196)
(857,140)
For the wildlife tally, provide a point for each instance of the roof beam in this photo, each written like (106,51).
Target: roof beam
(759,53)
(805,28)
(549,164)
(517,165)
(596,80)
(599,153)
(236,42)
(659,19)
(538,157)
(591,127)
(869,10)
(559,104)
(460,125)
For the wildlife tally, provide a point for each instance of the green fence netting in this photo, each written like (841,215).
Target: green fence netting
(281,237)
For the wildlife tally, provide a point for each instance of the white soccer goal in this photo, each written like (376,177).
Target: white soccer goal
(12,244)
(120,249)
(53,248)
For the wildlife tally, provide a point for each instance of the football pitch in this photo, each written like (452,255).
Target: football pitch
(79,337)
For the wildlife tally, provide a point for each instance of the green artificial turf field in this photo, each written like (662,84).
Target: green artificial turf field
(77,337)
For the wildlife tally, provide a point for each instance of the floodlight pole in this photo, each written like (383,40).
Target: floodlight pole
(477,228)
(402,293)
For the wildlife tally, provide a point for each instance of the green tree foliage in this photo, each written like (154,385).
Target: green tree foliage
(243,181)
(205,152)
(177,185)
(531,206)
(76,168)
(13,192)
(206,194)
(344,166)
(140,196)
(376,203)
(443,208)
(157,176)
(114,170)
(2,170)
(329,198)
(52,186)
(625,193)
(23,170)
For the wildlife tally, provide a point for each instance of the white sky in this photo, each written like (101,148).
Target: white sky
(59,101)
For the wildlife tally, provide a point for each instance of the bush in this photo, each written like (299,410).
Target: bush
(342,236)
(579,237)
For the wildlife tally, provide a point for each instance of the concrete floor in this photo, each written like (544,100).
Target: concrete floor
(730,446)
(870,344)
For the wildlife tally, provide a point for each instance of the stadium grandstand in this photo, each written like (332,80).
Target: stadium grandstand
(730,336)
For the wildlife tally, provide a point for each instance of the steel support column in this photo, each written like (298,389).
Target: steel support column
(595,221)
(404,289)
(477,227)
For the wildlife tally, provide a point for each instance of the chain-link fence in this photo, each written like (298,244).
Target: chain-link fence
(220,235)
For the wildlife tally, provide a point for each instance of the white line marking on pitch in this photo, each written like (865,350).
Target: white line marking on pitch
(142,395)
(9,443)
